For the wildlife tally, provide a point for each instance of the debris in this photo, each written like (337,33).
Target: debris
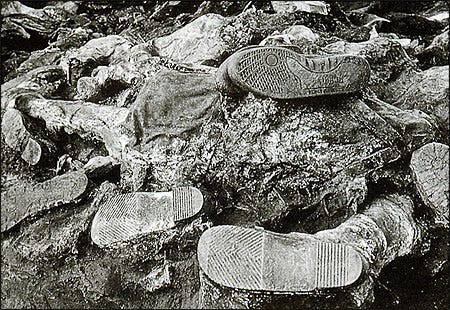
(99,166)
(318,7)
(158,278)
(18,138)
(196,43)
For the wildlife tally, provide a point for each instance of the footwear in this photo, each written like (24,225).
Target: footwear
(127,216)
(429,167)
(254,259)
(282,73)
(20,202)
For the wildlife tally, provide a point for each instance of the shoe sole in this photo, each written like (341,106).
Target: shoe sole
(127,216)
(20,202)
(258,260)
(429,166)
(281,73)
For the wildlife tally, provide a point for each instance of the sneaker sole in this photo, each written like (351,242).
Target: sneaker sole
(258,260)
(127,216)
(21,202)
(282,73)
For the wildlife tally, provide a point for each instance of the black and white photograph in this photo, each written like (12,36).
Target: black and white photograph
(224,154)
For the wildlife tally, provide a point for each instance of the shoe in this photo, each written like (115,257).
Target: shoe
(259,260)
(281,72)
(20,202)
(429,167)
(127,216)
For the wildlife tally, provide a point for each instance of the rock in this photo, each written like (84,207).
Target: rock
(81,61)
(300,32)
(99,166)
(426,91)
(416,127)
(436,54)
(386,58)
(411,25)
(99,122)
(158,278)
(18,138)
(430,169)
(198,42)
(44,81)
(26,200)
(318,7)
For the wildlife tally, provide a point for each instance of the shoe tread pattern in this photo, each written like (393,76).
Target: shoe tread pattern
(258,260)
(282,73)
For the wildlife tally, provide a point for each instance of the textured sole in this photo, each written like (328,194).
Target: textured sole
(20,202)
(430,168)
(127,216)
(282,73)
(251,259)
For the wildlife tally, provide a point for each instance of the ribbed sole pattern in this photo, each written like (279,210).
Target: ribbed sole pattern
(267,71)
(319,64)
(252,259)
(332,261)
(283,73)
(184,204)
(125,216)
(117,219)
(235,258)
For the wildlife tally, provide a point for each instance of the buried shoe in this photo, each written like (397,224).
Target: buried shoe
(127,216)
(283,73)
(259,260)
(20,202)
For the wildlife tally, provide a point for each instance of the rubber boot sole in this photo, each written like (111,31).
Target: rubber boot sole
(127,216)
(282,73)
(20,202)
(258,260)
